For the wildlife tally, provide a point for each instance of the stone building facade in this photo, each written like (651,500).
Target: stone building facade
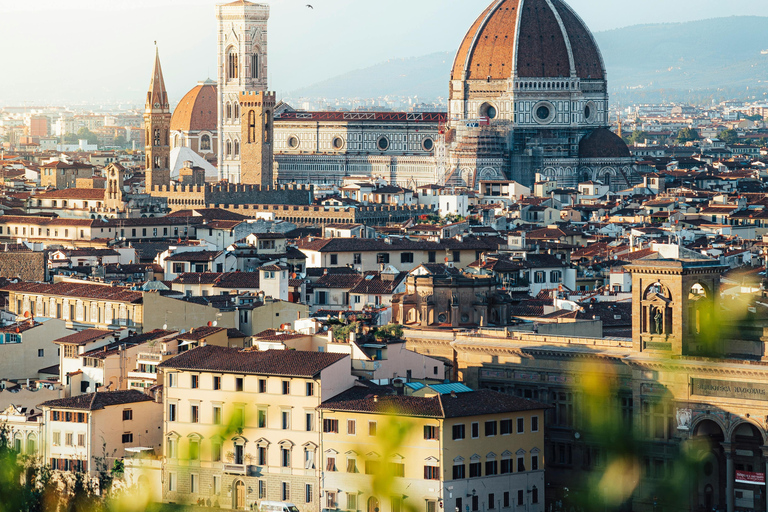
(257,136)
(242,55)
(689,383)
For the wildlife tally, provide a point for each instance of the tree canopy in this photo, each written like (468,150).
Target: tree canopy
(728,136)
(82,133)
(687,135)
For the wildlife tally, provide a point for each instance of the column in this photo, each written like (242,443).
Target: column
(729,477)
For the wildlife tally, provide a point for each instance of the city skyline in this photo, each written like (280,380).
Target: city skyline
(116,69)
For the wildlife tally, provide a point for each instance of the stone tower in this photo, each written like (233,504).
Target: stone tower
(242,40)
(674,302)
(113,194)
(257,133)
(157,125)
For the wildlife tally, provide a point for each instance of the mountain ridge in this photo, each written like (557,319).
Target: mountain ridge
(648,62)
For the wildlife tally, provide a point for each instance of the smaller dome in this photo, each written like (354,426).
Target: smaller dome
(197,110)
(603,143)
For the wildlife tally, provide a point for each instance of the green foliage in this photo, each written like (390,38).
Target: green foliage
(82,133)
(687,135)
(341,333)
(728,136)
(756,117)
(120,141)
(636,136)
(389,332)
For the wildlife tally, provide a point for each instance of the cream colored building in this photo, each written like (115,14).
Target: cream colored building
(77,430)
(242,426)
(473,451)
(27,347)
(101,306)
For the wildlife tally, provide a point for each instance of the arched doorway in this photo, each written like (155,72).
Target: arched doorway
(373,504)
(238,496)
(711,473)
(746,442)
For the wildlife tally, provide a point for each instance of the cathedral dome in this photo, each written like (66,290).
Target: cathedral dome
(198,110)
(528,39)
(603,143)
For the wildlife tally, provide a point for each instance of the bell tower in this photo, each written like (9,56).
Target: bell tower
(242,49)
(157,126)
(257,130)
(674,303)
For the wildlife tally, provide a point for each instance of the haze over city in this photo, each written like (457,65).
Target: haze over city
(90,50)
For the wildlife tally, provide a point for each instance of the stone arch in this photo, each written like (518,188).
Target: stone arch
(736,429)
(232,63)
(607,175)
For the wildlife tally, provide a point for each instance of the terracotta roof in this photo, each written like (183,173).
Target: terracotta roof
(288,363)
(197,110)
(338,281)
(83,337)
(45,221)
(199,333)
(85,290)
(194,256)
(508,40)
(96,401)
(474,403)
(373,284)
(94,194)
(236,280)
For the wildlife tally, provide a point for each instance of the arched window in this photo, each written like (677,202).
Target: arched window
(176,140)
(237,111)
(251,127)
(232,64)
(267,117)
(237,148)
(229,111)
(229,148)
(255,64)
(205,143)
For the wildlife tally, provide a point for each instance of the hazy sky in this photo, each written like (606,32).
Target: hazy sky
(100,50)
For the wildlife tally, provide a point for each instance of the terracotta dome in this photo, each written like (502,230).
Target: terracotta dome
(198,110)
(528,39)
(603,143)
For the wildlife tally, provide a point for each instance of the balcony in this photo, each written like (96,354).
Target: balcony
(236,469)
(150,357)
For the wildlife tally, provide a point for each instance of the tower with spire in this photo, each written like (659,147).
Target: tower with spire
(157,127)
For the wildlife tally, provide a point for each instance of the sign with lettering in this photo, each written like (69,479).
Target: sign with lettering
(729,389)
(744,477)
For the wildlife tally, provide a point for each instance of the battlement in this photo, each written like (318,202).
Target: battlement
(257,99)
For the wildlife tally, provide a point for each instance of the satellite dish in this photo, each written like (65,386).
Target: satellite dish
(325,328)
(165,327)
(215,324)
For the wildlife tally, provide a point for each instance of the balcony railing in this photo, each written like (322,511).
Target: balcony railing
(146,356)
(236,469)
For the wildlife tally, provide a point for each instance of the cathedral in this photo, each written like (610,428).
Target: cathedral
(528,98)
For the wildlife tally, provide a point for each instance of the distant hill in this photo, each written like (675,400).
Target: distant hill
(694,61)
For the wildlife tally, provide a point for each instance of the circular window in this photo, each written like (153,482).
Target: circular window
(589,112)
(442,318)
(544,112)
(382,143)
(428,144)
(489,111)
(293,142)
(338,143)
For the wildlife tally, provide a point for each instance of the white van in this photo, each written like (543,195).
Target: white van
(277,506)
